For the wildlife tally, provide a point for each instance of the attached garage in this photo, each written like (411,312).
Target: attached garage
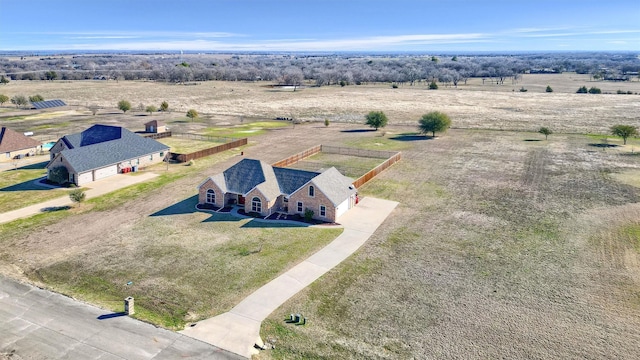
(105,172)
(85,177)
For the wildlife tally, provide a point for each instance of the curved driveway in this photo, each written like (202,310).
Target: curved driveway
(239,329)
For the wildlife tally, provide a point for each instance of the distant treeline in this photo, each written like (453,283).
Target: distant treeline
(318,70)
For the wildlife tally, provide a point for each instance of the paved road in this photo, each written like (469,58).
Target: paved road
(96,188)
(239,329)
(39,324)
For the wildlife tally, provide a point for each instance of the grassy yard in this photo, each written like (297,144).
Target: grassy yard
(185,146)
(184,266)
(351,166)
(245,130)
(497,239)
(17,189)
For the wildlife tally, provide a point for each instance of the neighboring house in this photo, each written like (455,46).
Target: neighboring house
(155,126)
(264,189)
(16,145)
(102,151)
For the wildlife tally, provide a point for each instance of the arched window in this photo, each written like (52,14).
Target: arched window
(256,204)
(211,196)
(312,191)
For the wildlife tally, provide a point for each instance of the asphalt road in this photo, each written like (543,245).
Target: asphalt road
(39,324)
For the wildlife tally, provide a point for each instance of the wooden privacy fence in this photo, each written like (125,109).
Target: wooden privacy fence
(161,135)
(390,156)
(297,157)
(206,152)
(377,170)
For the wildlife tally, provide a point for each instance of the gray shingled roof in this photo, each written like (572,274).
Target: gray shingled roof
(334,185)
(274,181)
(291,180)
(244,176)
(103,145)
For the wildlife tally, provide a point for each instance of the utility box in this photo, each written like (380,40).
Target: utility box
(128,306)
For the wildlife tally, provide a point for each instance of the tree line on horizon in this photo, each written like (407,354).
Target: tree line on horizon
(319,70)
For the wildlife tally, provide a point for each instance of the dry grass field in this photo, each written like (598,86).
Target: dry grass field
(474,105)
(504,245)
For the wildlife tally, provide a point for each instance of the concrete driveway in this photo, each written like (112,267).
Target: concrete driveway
(239,329)
(39,324)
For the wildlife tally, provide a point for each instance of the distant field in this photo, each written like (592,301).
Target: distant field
(474,105)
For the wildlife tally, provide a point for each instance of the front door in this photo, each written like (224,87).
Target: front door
(240,199)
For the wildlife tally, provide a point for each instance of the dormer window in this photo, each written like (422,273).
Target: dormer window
(312,191)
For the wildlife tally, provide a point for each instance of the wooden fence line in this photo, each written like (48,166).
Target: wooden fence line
(297,157)
(390,156)
(381,154)
(156,136)
(206,152)
(377,170)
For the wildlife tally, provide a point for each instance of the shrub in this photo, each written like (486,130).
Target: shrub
(77,196)
(326,122)
(522,89)
(59,175)
(308,215)
(582,90)
(595,90)
(36,98)
(548,89)
(395,86)
(433,86)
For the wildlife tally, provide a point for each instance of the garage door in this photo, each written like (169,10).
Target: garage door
(85,178)
(105,172)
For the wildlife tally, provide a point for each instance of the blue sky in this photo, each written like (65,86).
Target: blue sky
(320,25)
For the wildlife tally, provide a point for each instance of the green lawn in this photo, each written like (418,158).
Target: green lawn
(17,189)
(182,145)
(245,130)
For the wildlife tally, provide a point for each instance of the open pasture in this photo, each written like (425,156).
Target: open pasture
(474,105)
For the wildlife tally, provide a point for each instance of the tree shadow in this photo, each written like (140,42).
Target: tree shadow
(186,206)
(531,140)
(411,137)
(357,130)
(111,316)
(602,145)
(55,208)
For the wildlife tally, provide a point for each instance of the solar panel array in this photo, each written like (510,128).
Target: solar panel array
(48,104)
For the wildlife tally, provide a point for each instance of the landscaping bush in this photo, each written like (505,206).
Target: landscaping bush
(59,175)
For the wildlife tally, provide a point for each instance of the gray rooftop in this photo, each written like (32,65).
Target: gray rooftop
(248,174)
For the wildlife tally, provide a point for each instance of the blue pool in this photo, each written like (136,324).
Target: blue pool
(48,146)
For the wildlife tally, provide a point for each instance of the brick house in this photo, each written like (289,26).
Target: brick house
(102,151)
(264,189)
(15,145)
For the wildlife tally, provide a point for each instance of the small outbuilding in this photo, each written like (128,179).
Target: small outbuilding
(155,126)
(14,145)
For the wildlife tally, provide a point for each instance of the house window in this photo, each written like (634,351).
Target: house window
(299,206)
(211,196)
(161,154)
(256,204)
(312,191)
(323,210)
(285,200)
